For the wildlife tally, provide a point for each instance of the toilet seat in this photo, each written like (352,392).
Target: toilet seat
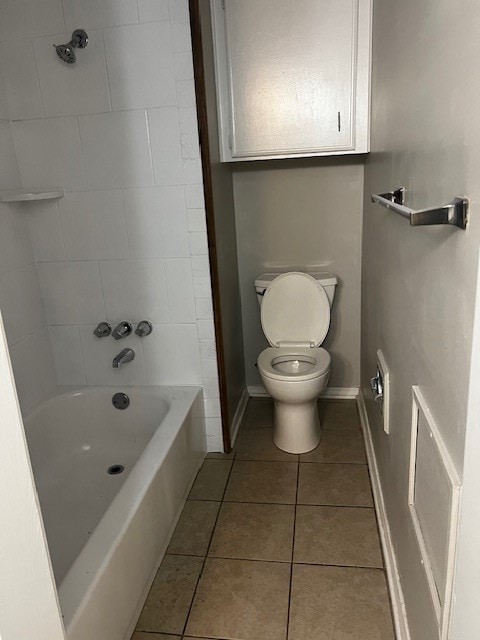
(316,361)
(295,311)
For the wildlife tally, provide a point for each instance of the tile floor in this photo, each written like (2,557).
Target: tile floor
(273,546)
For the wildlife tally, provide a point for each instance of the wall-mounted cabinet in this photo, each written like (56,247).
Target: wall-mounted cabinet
(293,78)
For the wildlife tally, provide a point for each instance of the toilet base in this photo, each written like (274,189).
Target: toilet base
(296,427)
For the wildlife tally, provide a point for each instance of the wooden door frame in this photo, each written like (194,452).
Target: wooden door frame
(201,101)
(29,605)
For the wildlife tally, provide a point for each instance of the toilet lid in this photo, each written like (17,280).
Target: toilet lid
(295,309)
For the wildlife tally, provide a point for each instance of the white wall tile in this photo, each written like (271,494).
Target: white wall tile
(192,171)
(23,18)
(156,222)
(72,89)
(22,303)
(203,309)
(201,287)
(181,302)
(165,143)
(28,373)
(93,225)
(9,258)
(48,153)
(179,11)
(212,408)
(23,244)
(214,442)
(198,243)
(194,196)
(190,145)
(187,118)
(211,389)
(183,65)
(98,356)
(67,354)
(72,292)
(208,349)
(47,376)
(200,265)
(181,37)
(116,150)
(20,80)
(209,370)
(140,66)
(196,220)
(9,171)
(186,93)
(206,330)
(135,290)
(153,10)
(45,230)
(171,355)
(99,13)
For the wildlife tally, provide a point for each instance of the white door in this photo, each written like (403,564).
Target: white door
(291,67)
(28,597)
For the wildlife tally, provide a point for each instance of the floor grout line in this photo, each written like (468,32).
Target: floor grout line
(208,549)
(290,586)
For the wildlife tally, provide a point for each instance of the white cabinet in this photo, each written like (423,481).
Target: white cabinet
(293,77)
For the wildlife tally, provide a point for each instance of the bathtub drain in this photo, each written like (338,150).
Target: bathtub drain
(115,469)
(120,401)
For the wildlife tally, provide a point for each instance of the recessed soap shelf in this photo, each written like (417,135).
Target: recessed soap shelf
(30,195)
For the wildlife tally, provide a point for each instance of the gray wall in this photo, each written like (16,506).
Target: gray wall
(418,291)
(226,239)
(299,213)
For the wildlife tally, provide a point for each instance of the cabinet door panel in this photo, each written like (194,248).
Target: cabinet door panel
(291,71)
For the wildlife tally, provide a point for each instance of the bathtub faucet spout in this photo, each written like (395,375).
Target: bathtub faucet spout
(126,355)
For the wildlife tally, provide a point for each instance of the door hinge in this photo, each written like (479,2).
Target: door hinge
(222,2)
(230,141)
(339,121)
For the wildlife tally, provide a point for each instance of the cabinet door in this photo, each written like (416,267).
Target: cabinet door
(291,67)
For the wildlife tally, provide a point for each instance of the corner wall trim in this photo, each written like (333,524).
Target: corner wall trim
(238,417)
(339,393)
(393,577)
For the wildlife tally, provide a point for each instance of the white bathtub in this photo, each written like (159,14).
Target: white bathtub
(107,533)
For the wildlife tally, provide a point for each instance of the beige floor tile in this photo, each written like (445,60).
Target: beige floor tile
(254,532)
(334,484)
(338,446)
(257,444)
(274,482)
(141,635)
(211,480)
(339,603)
(259,413)
(194,529)
(337,535)
(168,602)
(241,600)
(340,414)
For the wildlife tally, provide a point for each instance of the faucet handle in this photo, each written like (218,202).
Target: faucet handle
(122,330)
(103,330)
(144,328)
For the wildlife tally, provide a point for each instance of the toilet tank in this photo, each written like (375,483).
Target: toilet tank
(325,278)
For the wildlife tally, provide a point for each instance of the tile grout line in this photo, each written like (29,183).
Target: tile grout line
(293,550)
(208,548)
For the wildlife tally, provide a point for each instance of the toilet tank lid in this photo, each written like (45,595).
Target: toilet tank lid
(324,277)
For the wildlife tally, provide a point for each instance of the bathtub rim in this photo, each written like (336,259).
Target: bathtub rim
(93,559)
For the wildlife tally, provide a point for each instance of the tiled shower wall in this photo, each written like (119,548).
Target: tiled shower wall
(20,296)
(128,241)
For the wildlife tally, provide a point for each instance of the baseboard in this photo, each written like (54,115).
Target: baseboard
(338,393)
(393,577)
(239,413)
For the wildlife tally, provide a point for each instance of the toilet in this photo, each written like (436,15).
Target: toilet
(295,316)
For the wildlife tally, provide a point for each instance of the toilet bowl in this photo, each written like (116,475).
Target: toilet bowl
(295,315)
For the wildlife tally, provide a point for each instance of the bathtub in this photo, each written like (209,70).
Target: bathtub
(107,532)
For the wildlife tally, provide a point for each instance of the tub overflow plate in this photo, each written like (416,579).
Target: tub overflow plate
(115,469)
(120,401)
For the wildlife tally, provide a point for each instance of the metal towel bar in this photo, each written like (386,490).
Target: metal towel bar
(455,213)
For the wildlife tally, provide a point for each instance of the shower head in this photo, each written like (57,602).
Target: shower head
(66,51)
